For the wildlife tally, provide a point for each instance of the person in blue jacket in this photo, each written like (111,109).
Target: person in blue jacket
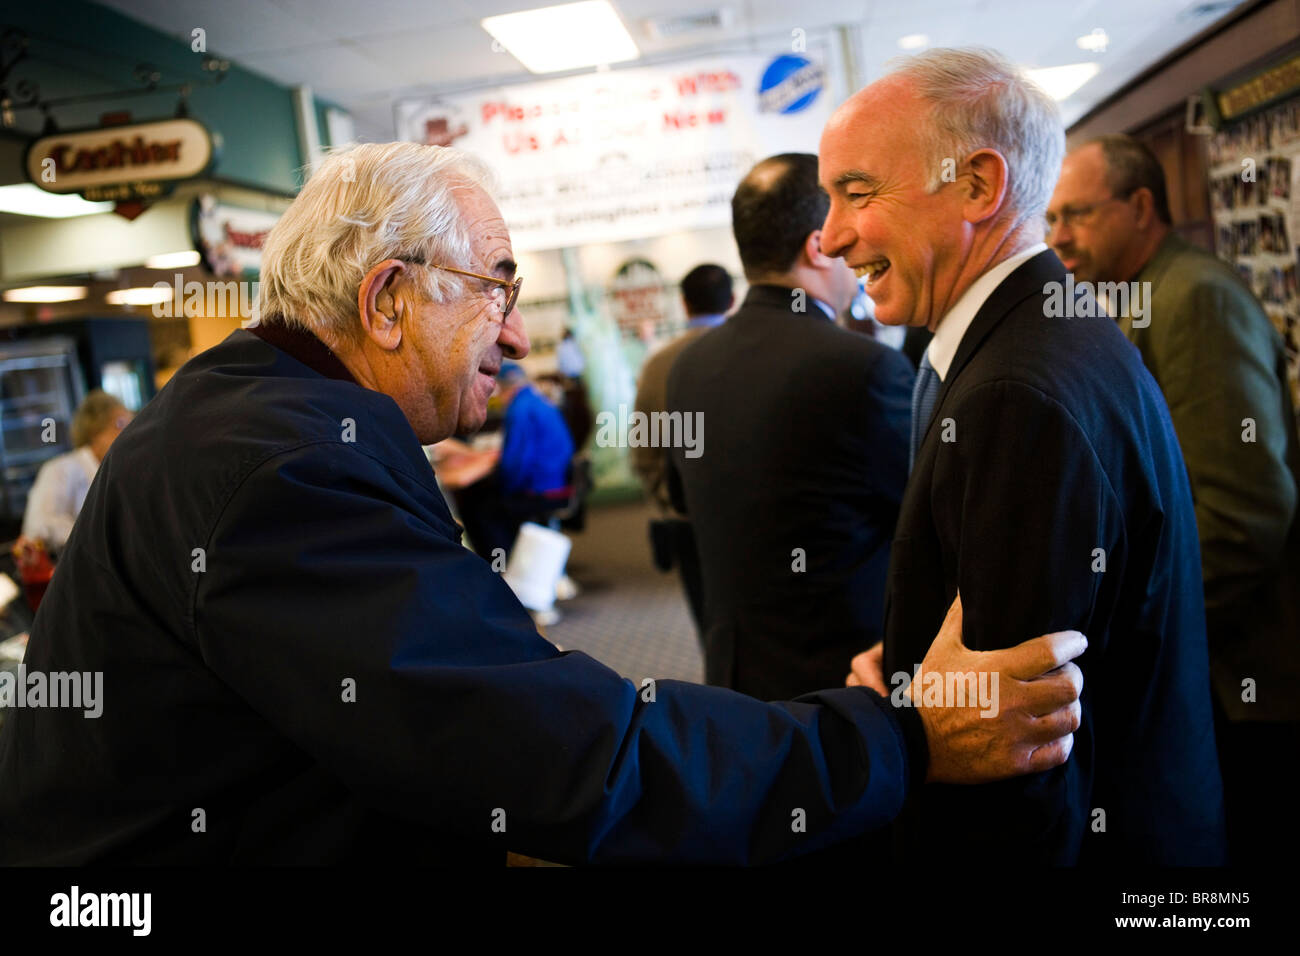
(300,663)
(531,475)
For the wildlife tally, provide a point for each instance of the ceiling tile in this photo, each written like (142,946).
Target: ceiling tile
(444,56)
(333,71)
(234,27)
(350,19)
(366,55)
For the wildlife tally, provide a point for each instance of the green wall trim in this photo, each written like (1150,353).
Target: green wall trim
(78,47)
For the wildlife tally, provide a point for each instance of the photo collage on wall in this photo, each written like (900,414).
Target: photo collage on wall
(1256,207)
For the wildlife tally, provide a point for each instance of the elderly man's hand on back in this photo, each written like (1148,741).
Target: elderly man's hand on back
(1029,729)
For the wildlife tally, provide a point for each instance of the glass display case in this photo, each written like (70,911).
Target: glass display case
(41,385)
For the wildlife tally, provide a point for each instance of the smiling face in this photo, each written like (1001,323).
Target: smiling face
(882,219)
(452,350)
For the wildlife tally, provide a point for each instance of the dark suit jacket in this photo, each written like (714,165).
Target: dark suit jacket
(796,493)
(1219,360)
(333,677)
(1062,456)
(649,462)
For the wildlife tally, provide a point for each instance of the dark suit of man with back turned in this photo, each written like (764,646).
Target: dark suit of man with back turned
(1219,361)
(707,298)
(805,428)
(1048,486)
(292,638)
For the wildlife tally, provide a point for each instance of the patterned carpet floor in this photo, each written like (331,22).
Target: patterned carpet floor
(629,616)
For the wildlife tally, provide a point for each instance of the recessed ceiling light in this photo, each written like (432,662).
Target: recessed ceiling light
(173,260)
(1094,42)
(565,37)
(28,199)
(1059,82)
(913,41)
(46,293)
(141,295)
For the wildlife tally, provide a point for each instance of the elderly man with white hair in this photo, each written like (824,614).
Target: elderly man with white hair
(301,663)
(1047,484)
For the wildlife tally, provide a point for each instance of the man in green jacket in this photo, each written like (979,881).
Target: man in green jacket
(1221,365)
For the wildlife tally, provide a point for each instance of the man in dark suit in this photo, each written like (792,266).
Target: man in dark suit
(795,495)
(707,298)
(300,662)
(1221,365)
(1048,486)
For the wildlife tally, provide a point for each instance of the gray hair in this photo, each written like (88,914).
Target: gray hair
(980,100)
(365,204)
(95,414)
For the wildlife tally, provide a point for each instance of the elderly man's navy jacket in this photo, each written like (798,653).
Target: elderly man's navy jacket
(302,664)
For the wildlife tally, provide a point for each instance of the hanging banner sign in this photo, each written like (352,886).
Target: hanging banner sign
(639,299)
(625,154)
(119,163)
(230,238)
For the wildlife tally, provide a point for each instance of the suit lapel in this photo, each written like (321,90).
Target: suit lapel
(1026,281)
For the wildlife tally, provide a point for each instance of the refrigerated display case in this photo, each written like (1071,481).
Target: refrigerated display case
(41,384)
(114,353)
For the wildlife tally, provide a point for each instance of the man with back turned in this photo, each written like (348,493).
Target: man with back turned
(794,497)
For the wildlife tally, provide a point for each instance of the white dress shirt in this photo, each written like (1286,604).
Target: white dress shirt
(830,313)
(952,328)
(57,496)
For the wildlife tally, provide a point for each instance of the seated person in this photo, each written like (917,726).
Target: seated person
(531,473)
(61,485)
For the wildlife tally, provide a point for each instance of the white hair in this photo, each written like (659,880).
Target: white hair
(980,100)
(365,204)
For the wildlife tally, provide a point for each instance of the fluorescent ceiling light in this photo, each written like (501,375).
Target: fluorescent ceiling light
(913,41)
(1059,82)
(566,37)
(46,293)
(142,295)
(27,199)
(1094,42)
(173,260)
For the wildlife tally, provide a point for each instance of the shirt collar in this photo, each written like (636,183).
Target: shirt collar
(706,321)
(952,327)
(791,299)
(1169,247)
(300,344)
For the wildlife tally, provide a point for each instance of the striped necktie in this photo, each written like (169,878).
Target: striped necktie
(924,393)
